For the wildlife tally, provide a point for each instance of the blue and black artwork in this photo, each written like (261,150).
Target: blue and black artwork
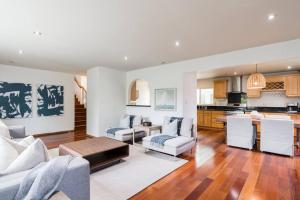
(15,100)
(50,100)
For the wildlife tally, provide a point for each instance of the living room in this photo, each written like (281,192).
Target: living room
(98,99)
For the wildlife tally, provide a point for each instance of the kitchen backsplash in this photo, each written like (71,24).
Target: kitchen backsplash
(271,99)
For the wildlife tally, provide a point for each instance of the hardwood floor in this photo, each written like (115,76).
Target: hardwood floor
(215,171)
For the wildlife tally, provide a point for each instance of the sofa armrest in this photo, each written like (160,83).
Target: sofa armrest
(17,131)
(76,182)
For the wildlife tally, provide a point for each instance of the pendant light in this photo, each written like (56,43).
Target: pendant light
(256,81)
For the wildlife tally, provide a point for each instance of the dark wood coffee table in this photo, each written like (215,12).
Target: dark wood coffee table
(100,152)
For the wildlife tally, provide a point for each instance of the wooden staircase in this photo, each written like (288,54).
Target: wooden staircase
(80,116)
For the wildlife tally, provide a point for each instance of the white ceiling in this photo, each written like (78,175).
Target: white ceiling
(269,67)
(78,34)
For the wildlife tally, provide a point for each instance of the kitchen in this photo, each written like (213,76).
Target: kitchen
(225,92)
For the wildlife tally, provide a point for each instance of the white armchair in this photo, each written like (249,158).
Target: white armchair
(277,136)
(182,142)
(240,132)
(126,134)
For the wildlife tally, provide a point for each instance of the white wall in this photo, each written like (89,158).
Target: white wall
(171,75)
(35,124)
(106,99)
(189,96)
(144,93)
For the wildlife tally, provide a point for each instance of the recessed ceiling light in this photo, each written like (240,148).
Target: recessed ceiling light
(38,33)
(289,67)
(235,73)
(20,52)
(177,43)
(271,17)
(125,58)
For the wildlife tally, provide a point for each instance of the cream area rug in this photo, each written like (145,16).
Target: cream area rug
(132,175)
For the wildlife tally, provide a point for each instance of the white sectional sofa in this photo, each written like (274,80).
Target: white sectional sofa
(184,141)
(75,183)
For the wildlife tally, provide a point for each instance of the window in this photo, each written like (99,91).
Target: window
(205,96)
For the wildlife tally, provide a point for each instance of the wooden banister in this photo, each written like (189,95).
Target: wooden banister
(80,86)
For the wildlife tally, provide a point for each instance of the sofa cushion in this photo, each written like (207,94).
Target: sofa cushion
(21,145)
(7,154)
(186,127)
(33,155)
(170,129)
(178,141)
(179,121)
(175,142)
(125,122)
(137,120)
(128,131)
(4,131)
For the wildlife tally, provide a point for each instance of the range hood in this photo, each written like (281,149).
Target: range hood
(236,84)
(236,96)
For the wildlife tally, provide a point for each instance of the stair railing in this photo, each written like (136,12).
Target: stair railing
(80,92)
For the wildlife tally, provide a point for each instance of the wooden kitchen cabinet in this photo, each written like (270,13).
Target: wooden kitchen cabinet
(200,118)
(292,86)
(220,89)
(253,93)
(208,119)
(214,116)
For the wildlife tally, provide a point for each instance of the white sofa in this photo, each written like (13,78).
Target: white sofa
(185,140)
(126,134)
(75,183)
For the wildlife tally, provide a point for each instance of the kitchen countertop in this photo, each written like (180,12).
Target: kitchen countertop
(247,109)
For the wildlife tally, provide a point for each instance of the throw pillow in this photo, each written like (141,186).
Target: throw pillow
(33,155)
(4,131)
(7,154)
(166,120)
(170,129)
(125,122)
(137,120)
(21,145)
(186,127)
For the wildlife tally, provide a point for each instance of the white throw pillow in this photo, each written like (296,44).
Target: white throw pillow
(171,128)
(166,120)
(186,127)
(33,155)
(137,120)
(21,145)
(7,154)
(4,131)
(125,122)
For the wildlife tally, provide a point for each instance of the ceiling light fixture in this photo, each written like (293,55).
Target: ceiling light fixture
(177,43)
(289,67)
(271,17)
(125,58)
(235,73)
(38,33)
(20,52)
(256,81)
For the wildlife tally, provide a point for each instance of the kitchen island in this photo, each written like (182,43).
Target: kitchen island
(207,115)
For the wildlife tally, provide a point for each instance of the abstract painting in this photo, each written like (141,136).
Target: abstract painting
(165,99)
(15,100)
(50,100)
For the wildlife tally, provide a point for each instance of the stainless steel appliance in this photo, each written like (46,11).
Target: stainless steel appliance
(292,107)
(236,96)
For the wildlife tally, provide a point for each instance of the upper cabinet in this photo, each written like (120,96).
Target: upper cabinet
(220,89)
(275,83)
(289,84)
(292,85)
(253,93)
